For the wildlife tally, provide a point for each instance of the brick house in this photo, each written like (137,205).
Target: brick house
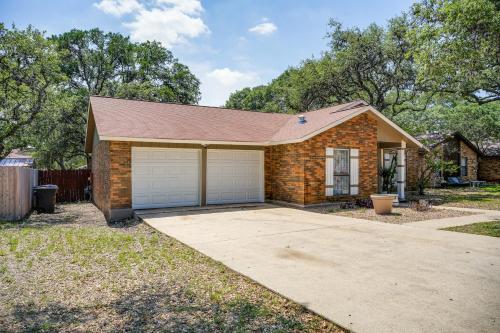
(152,155)
(472,163)
(489,168)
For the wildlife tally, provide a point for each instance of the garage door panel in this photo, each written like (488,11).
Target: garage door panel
(234,176)
(158,199)
(142,199)
(165,177)
(143,171)
(159,185)
(141,155)
(241,196)
(211,196)
(141,187)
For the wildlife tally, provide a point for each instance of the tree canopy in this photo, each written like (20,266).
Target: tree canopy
(370,64)
(457,47)
(29,68)
(108,64)
(434,68)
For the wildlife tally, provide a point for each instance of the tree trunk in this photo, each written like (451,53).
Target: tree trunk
(421,188)
(61,164)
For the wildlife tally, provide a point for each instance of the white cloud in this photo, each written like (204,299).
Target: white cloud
(118,7)
(185,6)
(217,84)
(170,22)
(167,25)
(227,77)
(265,28)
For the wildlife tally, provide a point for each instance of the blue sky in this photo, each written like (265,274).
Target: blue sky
(228,44)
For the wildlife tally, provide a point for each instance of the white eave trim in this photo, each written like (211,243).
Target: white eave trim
(271,143)
(198,142)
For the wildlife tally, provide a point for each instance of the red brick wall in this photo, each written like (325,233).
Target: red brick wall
(120,174)
(296,172)
(101,176)
(414,163)
(472,163)
(284,173)
(489,168)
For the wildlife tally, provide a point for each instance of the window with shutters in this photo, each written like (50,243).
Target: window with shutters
(341,171)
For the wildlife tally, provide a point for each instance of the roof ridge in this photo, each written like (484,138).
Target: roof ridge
(347,105)
(184,104)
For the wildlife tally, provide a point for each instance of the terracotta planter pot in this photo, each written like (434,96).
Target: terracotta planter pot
(382,203)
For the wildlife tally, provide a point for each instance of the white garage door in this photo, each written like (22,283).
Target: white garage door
(165,177)
(235,176)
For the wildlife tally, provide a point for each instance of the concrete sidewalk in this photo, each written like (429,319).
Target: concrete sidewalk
(482,216)
(363,275)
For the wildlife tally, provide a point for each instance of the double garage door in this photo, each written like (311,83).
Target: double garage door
(170,177)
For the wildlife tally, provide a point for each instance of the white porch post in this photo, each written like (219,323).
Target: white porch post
(401,171)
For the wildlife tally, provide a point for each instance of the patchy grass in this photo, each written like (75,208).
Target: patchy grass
(399,215)
(487,197)
(70,271)
(489,228)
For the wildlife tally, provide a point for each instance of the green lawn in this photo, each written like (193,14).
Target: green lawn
(70,271)
(490,228)
(487,197)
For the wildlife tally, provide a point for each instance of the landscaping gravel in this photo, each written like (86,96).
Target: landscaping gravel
(399,215)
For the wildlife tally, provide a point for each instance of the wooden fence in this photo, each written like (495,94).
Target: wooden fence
(71,183)
(16,192)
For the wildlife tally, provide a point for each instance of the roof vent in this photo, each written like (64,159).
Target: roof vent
(302,119)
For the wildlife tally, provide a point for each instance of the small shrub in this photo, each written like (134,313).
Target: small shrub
(347,205)
(421,205)
(365,203)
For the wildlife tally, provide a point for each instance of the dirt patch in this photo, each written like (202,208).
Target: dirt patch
(72,272)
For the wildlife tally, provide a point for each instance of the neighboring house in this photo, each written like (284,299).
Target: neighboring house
(18,158)
(471,162)
(489,163)
(151,155)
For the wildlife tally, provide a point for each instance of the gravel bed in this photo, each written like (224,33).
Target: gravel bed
(399,215)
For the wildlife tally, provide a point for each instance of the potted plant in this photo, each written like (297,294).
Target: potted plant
(382,203)
(388,174)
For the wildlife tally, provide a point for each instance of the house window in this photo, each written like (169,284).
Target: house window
(340,171)
(463,166)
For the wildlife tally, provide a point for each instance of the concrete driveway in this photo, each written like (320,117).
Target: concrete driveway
(363,275)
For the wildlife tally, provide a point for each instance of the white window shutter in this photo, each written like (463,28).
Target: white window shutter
(354,171)
(329,172)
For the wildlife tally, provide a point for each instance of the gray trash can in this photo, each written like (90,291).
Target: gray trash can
(45,198)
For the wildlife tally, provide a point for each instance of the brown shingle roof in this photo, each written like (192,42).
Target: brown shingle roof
(122,118)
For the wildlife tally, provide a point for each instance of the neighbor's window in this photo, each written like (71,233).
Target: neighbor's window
(463,166)
(340,171)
